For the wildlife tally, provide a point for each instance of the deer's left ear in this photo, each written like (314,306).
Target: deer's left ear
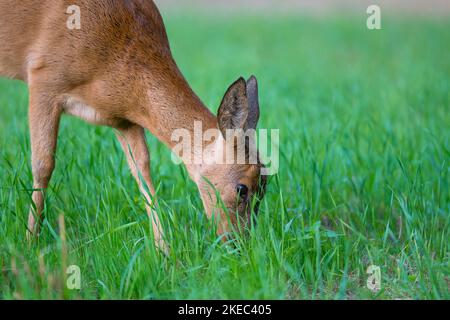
(240,107)
(233,111)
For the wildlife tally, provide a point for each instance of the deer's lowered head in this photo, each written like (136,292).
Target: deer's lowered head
(230,177)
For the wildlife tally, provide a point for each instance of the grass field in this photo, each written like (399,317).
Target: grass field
(364,175)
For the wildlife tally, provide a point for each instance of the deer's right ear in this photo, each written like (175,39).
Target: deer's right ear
(233,111)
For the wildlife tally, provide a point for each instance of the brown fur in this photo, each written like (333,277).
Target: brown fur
(117,71)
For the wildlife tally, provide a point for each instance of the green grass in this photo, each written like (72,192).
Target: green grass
(364,174)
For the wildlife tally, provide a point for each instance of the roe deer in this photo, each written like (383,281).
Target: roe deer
(117,70)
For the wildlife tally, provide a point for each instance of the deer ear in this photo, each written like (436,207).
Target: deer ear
(234,109)
(253,103)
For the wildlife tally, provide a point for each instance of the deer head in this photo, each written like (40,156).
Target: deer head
(229,178)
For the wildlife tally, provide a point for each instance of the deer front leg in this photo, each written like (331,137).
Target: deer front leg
(44,118)
(132,140)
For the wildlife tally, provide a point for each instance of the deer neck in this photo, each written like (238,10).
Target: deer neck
(173,108)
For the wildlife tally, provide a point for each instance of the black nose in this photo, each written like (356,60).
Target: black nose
(242,191)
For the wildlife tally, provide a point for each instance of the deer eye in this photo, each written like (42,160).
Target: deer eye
(242,191)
